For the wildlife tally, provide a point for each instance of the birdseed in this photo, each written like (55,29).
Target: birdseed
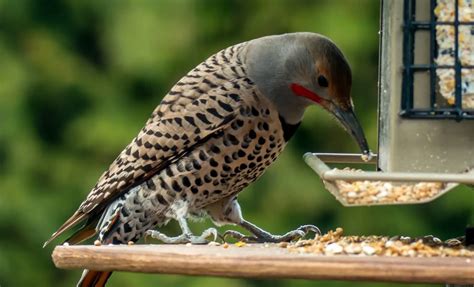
(445,38)
(213,243)
(240,244)
(335,243)
(370,192)
(367,157)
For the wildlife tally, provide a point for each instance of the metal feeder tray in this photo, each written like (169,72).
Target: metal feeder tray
(317,161)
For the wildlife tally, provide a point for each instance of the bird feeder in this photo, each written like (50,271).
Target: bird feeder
(425,110)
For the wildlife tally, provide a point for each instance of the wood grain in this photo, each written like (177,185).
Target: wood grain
(257,261)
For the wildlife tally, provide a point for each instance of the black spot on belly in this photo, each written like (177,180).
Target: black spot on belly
(161,199)
(181,167)
(213,163)
(150,184)
(233,140)
(215,149)
(176,186)
(202,155)
(235,155)
(127,228)
(124,211)
(255,112)
(198,181)
(196,165)
(186,181)
(163,184)
(252,134)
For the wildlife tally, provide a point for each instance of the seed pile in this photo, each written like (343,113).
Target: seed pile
(445,38)
(370,192)
(333,243)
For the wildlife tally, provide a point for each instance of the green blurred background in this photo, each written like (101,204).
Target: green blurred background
(78,79)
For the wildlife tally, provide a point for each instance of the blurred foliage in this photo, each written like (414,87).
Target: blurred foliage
(79,78)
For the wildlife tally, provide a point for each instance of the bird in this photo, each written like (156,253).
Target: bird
(215,132)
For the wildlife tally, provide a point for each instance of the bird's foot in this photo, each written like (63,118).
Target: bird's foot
(210,233)
(265,238)
(261,236)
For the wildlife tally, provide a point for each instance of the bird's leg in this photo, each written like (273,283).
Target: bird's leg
(227,211)
(185,237)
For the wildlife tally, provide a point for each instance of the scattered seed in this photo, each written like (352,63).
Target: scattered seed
(334,243)
(333,248)
(240,244)
(283,244)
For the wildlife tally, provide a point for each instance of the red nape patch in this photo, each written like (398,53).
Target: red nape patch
(303,92)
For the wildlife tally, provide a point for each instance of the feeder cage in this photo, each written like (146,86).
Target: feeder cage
(425,111)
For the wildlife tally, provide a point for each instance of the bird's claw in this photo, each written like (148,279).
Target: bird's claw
(263,238)
(238,236)
(183,238)
(210,232)
(293,235)
(309,228)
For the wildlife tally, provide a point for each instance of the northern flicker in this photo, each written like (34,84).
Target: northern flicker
(215,132)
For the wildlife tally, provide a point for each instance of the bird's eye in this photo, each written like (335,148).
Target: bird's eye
(323,82)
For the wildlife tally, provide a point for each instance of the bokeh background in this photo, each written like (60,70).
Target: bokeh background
(78,79)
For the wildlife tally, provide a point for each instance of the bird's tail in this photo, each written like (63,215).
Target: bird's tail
(91,278)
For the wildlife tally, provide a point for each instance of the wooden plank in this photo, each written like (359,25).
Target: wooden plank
(257,261)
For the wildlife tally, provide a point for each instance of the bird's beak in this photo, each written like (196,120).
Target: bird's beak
(350,123)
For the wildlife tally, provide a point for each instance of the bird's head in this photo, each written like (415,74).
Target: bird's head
(301,69)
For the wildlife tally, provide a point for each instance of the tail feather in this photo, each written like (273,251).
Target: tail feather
(91,278)
(72,221)
(81,235)
(84,233)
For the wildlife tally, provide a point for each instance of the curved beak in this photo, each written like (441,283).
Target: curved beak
(349,122)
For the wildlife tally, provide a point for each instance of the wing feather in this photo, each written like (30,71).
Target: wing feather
(186,118)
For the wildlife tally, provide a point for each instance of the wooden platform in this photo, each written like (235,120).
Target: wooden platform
(257,261)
